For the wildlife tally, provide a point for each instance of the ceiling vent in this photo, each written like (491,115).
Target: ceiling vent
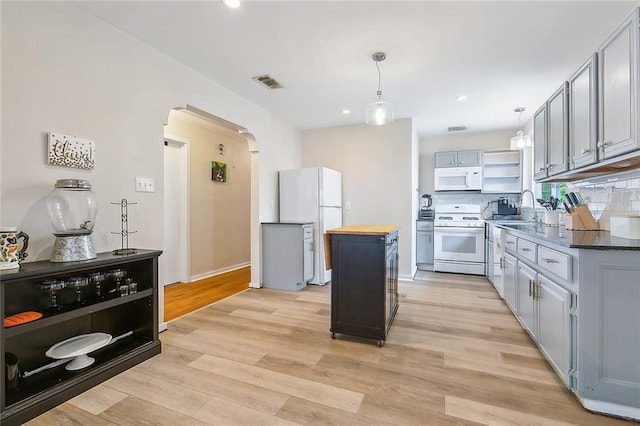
(457,128)
(268,81)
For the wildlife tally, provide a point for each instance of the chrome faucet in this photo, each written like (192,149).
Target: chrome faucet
(533,203)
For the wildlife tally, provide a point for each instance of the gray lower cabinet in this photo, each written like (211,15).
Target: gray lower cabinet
(581,307)
(609,332)
(618,89)
(510,273)
(287,255)
(554,324)
(526,303)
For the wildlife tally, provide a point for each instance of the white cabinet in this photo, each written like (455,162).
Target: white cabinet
(458,158)
(618,89)
(502,171)
(583,117)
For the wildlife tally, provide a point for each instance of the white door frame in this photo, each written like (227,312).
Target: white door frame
(183,204)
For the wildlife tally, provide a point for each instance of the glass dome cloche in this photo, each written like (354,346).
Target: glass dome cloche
(72,207)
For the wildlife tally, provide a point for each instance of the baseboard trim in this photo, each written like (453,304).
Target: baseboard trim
(219,271)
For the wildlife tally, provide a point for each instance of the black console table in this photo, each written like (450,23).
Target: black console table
(133,317)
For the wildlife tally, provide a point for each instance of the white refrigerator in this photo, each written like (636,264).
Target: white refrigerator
(313,195)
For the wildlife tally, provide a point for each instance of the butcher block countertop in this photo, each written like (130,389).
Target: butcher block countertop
(353,230)
(364,229)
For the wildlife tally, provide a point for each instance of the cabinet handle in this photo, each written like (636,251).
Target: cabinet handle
(526,249)
(461,162)
(452,163)
(501,264)
(549,260)
(530,285)
(585,151)
(536,290)
(509,242)
(541,169)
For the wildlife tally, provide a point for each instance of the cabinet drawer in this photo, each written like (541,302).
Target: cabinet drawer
(555,262)
(526,249)
(510,243)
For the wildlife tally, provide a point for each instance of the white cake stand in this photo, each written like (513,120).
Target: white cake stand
(77,348)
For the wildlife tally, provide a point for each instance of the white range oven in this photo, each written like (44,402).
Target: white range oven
(458,239)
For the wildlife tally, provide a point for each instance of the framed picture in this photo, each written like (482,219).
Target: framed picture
(218,171)
(70,151)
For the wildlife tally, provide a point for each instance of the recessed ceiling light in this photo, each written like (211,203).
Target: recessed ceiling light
(346,111)
(461,98)
(234,4)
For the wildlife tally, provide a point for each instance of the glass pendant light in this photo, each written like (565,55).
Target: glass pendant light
(520,141)
(379,112)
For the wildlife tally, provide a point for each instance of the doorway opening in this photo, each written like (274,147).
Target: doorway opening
(209,215)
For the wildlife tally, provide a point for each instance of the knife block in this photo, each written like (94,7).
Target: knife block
(581,219)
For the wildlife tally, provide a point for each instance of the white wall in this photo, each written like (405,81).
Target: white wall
(456,142)
(377,176)
(67,72)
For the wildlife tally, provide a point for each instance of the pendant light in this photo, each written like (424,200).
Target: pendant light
(379,112)
(520,141)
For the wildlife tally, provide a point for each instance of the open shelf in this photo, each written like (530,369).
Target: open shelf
(20,291)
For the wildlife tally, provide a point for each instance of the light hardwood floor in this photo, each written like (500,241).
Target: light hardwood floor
(182,298)
(455,355)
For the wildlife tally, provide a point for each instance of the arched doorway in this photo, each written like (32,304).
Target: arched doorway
(220,207)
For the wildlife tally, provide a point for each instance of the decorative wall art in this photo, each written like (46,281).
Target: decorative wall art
(218,171)
(70,151)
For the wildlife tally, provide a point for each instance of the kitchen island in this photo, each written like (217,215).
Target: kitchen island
(364,280)
(577,294)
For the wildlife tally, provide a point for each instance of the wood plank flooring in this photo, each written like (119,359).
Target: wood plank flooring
(455,355)
(182,298)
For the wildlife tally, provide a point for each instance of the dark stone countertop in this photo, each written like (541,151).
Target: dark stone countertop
(593,240)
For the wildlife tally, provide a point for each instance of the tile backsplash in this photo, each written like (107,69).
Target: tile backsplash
(616,194)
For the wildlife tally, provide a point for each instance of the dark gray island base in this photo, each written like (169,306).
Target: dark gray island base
(364,280)
(132,317)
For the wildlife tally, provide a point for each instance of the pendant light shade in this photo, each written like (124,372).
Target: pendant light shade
(520,141)
(379,112)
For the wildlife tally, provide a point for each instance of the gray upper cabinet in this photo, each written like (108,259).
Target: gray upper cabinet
(458,158)
(558,132)
(618,60)
(540,143)
(469,158)
(583,117)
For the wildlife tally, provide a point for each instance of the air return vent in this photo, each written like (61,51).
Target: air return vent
(268,81)
(457,128)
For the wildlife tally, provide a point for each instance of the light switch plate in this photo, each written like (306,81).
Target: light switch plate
(144,185)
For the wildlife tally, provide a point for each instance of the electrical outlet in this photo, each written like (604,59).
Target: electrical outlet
(347,205)
(145,185)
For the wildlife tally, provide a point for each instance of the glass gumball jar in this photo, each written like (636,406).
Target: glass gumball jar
(72,207)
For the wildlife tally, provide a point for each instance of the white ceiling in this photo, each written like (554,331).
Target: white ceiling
(501,54)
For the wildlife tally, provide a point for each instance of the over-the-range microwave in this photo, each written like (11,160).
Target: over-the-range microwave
(458,178)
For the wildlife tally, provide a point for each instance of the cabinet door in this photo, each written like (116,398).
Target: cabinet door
(510,277)
(424,247)
(557,135)
(469,158)
(526,305)
(618,86)
(540,143)
(554,324)
(583,135)
(446,159)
